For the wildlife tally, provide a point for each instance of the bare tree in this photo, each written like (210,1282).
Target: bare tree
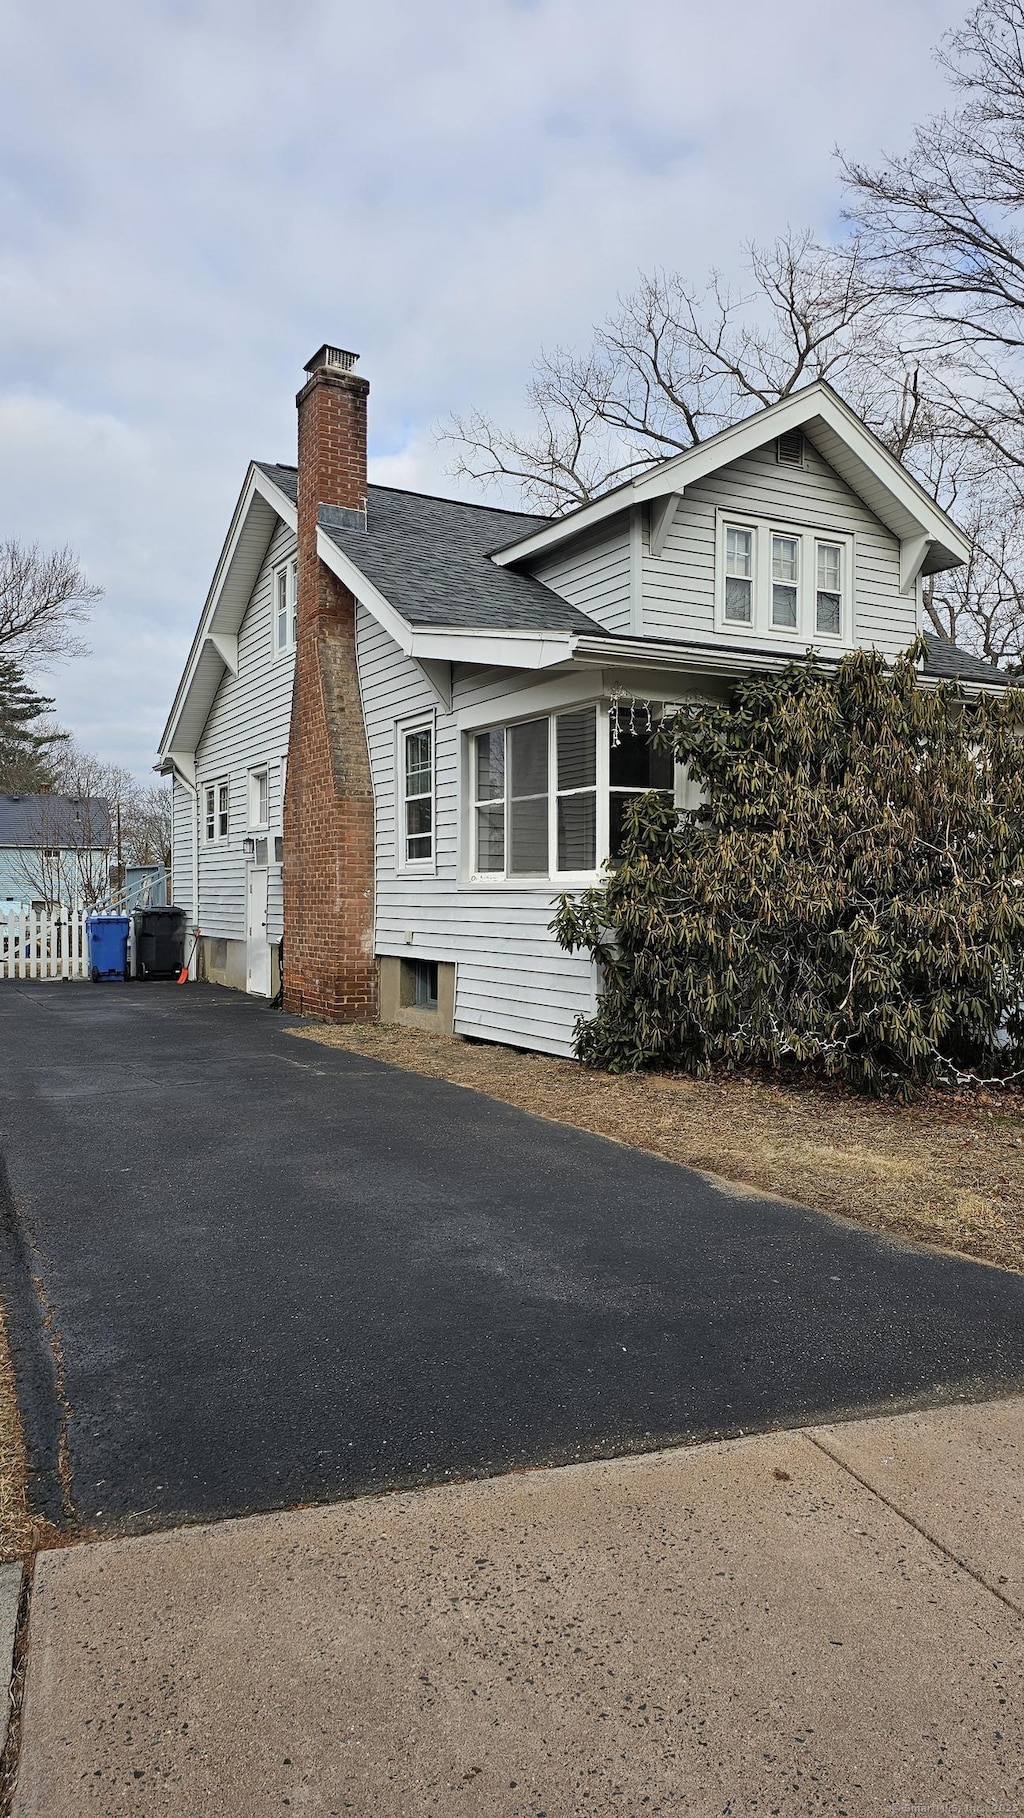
(140,814)
(146,825)
(941,231)
(68,863)
(674,364)
(43,594)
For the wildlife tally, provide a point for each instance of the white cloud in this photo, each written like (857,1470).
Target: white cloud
(196,195)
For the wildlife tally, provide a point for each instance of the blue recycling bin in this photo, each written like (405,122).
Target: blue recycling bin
(108,947)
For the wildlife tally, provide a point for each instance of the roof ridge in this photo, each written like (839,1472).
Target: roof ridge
(440,498)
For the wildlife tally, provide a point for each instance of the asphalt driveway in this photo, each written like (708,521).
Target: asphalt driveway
(241,1272)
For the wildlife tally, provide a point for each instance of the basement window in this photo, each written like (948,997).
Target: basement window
(419,984)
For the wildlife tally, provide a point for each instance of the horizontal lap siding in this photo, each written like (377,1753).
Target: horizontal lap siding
(514,984)
(183,810)
(594,576)
(679,585)
(247,728)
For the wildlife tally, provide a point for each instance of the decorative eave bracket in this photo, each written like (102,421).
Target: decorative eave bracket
(663,512)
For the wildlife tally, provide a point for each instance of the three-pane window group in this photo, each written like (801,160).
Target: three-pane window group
(536,808)
(788,552)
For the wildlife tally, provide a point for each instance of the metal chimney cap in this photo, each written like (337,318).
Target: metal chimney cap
(331,356)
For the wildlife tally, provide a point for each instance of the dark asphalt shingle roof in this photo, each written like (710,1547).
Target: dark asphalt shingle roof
(32,821)
(429,558)
(287,478)
(949,663)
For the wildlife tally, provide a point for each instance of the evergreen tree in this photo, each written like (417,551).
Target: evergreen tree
(849,898)
(27,753)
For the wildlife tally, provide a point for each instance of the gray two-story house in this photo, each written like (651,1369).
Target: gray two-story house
(407,723)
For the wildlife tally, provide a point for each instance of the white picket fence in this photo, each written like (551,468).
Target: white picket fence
(51,944)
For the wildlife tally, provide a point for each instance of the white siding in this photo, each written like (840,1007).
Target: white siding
(247,728)
(594,575)
(183,808)
(513,984)
(679,585)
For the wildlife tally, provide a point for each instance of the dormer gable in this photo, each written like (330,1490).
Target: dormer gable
(826,533)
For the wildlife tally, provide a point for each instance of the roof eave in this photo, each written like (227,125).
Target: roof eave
(257,487)
(948,547)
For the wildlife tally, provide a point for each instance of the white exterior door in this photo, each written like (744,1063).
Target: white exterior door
(257,979)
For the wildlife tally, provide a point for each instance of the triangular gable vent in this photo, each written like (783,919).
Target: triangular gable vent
(789,449)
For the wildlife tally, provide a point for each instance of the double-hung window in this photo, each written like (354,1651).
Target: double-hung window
(416,770)
(215,810)
(286,593)
(785,580)
(828,597)
(739,575)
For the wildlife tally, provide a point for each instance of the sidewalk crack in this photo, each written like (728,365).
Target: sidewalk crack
(955,1558)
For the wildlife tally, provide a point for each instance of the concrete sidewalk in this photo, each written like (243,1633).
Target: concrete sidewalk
(829,1620)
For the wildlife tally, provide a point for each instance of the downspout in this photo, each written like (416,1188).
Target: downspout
(194,961)
(177,774)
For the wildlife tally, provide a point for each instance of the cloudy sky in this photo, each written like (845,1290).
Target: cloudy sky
(194,194)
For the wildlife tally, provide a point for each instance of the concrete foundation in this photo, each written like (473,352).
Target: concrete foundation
(222,962)
(397,995)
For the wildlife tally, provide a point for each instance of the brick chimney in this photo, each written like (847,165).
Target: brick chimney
(329,967)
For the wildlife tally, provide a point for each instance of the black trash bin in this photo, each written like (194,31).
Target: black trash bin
(159,942)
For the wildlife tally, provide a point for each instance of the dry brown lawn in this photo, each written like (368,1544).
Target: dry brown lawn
(948,1170)
(20,1534)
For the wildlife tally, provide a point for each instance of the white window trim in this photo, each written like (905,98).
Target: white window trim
(805,632)
(216,784)
(418,867)
(290,569)
(255,824)
(551,880)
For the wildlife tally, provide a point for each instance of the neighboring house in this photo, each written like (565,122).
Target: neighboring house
(54,850)
(396,738)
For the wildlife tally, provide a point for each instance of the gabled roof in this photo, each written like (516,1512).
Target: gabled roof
(445,578)
(430,558)
(262,503)
(68,822)
(930,539)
